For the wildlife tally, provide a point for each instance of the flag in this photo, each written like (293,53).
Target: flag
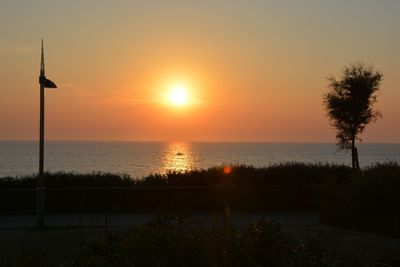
(46,82)
(49,84)
(42,78)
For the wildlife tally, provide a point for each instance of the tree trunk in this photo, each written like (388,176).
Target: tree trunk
(355,164)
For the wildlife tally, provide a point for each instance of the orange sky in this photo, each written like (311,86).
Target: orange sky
(255,70)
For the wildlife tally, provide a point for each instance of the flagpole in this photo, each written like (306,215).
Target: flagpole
(41,149)
(40,189)
(40,200)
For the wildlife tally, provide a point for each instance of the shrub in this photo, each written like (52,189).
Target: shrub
(174,240)
(287,174)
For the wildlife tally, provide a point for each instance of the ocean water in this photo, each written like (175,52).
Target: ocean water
(139,159)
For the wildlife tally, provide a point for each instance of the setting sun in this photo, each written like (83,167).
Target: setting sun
(178,95)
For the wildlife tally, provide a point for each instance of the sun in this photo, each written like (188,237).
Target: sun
(178,95)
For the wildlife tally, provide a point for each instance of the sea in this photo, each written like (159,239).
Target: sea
(139,159)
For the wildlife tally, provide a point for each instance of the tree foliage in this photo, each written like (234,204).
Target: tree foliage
(350,102)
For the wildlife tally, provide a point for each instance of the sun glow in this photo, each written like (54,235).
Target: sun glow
(178,95)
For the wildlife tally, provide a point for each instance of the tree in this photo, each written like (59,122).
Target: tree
(350,104)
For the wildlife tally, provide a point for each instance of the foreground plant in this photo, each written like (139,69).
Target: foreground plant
(174,240)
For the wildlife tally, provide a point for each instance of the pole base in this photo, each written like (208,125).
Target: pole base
(40,201)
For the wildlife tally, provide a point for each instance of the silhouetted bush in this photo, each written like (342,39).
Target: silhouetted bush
(68,179)
(174,240)
(292,173)
(288,174)
(25,260)
(285,187)
(368,200)
(379,188)
(390,259)
(370,203)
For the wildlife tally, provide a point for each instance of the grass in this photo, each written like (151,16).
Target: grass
(67,179)
(287,174)
(241,175)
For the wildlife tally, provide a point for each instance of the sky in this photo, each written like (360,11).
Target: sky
(253,70)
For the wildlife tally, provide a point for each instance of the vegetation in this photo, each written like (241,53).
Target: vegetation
(288,174)
(350,104)
(368,200)
(370,203)
(285,187)
(176,240)
(67,180)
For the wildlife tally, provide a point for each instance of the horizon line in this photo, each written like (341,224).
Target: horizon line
(191,141)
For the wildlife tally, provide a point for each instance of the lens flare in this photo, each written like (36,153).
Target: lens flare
(227,169)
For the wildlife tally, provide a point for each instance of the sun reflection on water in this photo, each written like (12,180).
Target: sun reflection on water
(178,157)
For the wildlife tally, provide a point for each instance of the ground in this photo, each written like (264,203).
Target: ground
(61,244)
